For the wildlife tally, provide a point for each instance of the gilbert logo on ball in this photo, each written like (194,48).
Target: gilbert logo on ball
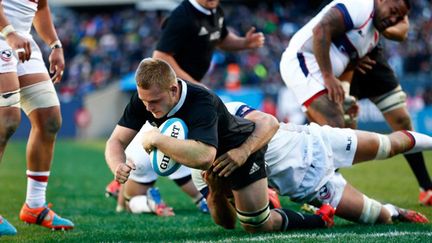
(162,164)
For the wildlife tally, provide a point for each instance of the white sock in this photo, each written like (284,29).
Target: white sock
(139,204)
(392,209)
(421,142)
(37,182)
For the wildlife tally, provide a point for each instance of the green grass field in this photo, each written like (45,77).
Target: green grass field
(79,176)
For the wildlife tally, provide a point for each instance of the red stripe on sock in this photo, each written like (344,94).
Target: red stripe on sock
(38,178)
(411,137)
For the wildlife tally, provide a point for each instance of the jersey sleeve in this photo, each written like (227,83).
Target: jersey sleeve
(175,32)
(132,115)
(355,12)
(224,30)
(238,108)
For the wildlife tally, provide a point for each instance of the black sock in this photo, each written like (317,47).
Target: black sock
(295,220)
(418,166)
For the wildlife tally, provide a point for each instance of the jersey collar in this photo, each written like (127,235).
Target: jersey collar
(181,100)
(201,8)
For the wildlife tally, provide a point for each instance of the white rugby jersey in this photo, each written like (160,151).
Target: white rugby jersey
(20,13)
(290,153)
(361,37)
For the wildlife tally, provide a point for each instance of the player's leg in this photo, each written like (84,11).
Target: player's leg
(377,146)
(249,188)
(357,207)
(399,119)
(40,103)
(10,116)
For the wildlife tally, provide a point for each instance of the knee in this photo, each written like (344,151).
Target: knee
(403,123)
(52,125)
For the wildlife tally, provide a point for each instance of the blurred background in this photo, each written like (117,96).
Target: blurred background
(104,40)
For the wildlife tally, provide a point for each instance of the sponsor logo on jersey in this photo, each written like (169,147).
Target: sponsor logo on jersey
(6,55)
(349,142)
(324,193)
(203,31)
(254,168)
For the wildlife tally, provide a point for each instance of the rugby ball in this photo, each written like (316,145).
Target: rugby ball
(162,164)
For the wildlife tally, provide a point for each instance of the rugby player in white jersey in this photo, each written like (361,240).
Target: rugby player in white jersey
(301,162)
(343,32)
(26,83)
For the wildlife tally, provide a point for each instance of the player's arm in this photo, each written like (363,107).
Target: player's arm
(233,42)
(191,153)
(115,152)
(44,26)
(398,32)
(18,43)
(173,63)
(266,126)
(331,26)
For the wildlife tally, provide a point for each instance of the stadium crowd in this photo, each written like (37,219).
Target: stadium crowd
(95,45)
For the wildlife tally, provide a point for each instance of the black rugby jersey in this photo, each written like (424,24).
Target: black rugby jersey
(204,113)
(191,37)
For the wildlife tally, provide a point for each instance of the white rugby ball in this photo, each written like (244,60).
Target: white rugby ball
(162,164)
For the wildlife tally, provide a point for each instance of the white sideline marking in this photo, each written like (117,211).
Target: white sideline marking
(332,236)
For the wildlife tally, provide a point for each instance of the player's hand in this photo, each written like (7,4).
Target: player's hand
(227,163)
(57,64)
(365,64)
(218,185)
(20,45)
(149,138)
(335,90)
(254,39)
(123,170)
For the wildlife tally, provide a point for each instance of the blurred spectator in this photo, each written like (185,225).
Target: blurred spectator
(103,47)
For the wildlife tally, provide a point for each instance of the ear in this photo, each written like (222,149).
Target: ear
(174,89)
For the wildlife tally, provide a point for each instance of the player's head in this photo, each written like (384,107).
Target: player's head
(208,4)
(157,86)
(389,13)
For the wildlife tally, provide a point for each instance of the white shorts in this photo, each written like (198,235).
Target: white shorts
(303,86)
(144,172)
(338,147)
(10,63)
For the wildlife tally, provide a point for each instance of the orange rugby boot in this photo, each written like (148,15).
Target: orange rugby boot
(44,216)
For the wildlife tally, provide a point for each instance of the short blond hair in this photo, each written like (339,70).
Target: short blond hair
(152,71)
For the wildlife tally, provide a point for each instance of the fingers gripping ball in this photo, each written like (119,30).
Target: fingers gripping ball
(162,164)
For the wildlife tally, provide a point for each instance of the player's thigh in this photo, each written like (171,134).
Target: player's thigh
(325,112)
(252,197)
(367,146)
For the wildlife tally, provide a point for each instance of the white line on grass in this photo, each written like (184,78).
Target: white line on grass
(332,236)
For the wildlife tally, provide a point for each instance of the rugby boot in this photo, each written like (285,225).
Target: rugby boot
(112,189)
(6,228)
(273,198)
(156,204)
(45,217)
(407,215)
(425,197)
(326,212)
(202,205)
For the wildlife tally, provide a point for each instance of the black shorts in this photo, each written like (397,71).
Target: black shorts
(376,82)
(252,170)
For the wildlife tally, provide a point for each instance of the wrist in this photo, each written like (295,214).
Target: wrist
(56,45)
(8,29)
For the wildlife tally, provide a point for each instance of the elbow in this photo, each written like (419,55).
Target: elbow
(272,123)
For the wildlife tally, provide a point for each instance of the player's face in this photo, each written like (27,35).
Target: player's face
(389,13)
(158,101)
(209,4)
